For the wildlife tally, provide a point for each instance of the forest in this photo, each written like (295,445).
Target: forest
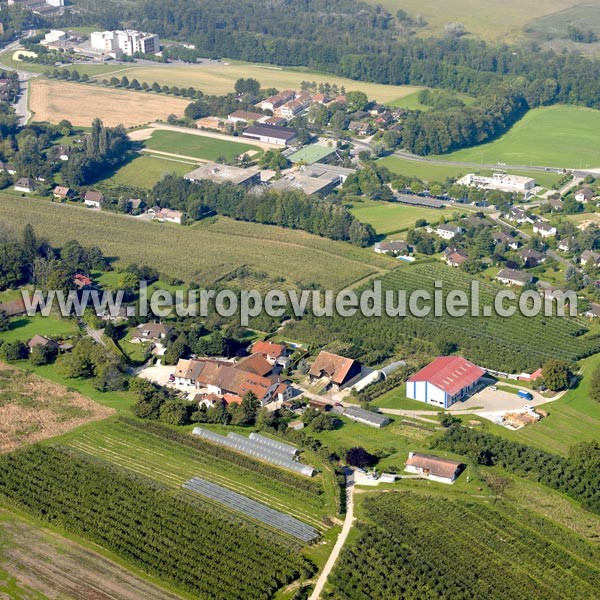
(293,209)
(186,542)
(578,475)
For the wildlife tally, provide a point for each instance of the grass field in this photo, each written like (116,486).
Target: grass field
(34,409)
(174,464)
(52,101)
(391,217)
(24,328)
(573,418)
(144,171)
(436,172)
(220,79)
(487,19)
(556,136)
(202,147)
(203,252)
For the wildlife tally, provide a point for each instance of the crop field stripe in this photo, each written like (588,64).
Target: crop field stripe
(253,509)
(170,471)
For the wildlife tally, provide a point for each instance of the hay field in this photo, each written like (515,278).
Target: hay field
(52,101)
(203,252)
(220,79)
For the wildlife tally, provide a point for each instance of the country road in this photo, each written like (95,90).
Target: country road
(339,544)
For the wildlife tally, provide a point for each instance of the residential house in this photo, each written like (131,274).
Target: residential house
(62,192)
(454,257)
(166,215)
(338,371)
(366,417)
(8,168)
(543,229)
(150,332)
(274,102)
(82,282)
(136,205)
(442,470)
(394,247)
(556,204)
(272,352)
(40,340)
(584,195)
(518,215)
(25,185)
(321,98)
(589,256)
(514,277)
(256,364)
(503,238)
(63,153)
(449,232)
(359,127)
(13,308)
(567,244)
(187,371)
(93,199)
(244,116)
(532,258)
(593,311)
(444,381)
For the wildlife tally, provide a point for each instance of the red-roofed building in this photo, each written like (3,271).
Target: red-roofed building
(269,350)
(444,381)
(338,370)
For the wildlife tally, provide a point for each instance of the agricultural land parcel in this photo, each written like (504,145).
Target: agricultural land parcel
(33,409)
(556,136)
(145,170)
(203,252)
(53,101)
(487,19)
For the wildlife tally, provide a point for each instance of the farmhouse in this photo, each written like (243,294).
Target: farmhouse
(150,332)
(187,371)
(514,277)
(274,102)
(26,185)
(271,134)
(366,417)
(359,127)
(584,195)
(62,192)
(93,199)
(394,247)
(40,340)
(449,232)
(544,229)
(338,371)
(166,215)
(499,181)
(256,364)
(446,380)
(432,467)
(225,173)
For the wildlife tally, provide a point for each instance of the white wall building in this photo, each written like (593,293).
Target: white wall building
(55,35)
(127,42)
(499,181)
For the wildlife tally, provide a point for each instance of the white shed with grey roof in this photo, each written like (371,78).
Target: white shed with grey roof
(367,417)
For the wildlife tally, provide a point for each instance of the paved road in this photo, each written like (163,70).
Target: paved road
(339,544)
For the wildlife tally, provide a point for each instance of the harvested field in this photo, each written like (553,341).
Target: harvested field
(36,562)
(34,409)
(53,101)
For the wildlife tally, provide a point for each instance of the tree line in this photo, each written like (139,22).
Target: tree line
(289,208)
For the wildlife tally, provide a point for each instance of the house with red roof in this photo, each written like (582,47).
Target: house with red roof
(337,371)
(446,380)
(270,350)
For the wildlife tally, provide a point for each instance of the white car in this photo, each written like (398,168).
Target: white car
(493,388)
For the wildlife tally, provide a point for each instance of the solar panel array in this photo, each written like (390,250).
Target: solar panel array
(253,509)
(256,448)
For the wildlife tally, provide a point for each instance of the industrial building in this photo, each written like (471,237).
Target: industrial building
(271,134)
(446,380)
(224,173)
(126,42)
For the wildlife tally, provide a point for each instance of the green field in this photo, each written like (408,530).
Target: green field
(573,418)
(556,136)
(391,217)
(396,398)
(145,170)
(435,172)
(205,251)
(311,154)
(197,146)
(24,328)
(487,19)
(422,544)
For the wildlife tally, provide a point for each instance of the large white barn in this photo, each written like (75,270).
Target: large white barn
(444,381)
